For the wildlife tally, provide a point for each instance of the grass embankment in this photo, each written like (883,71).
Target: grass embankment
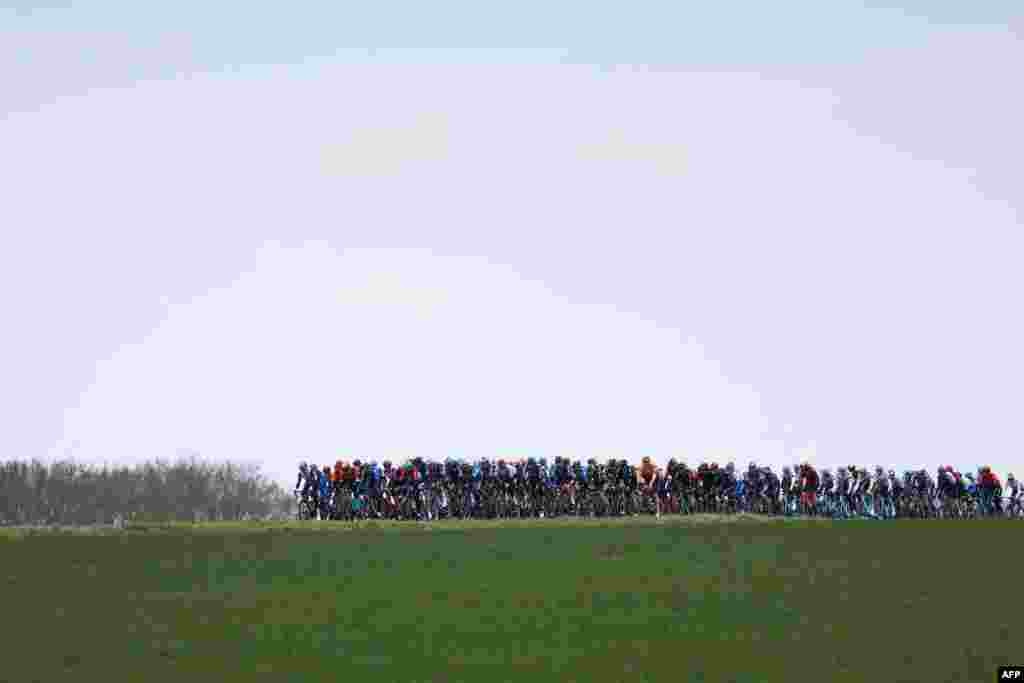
(612,600)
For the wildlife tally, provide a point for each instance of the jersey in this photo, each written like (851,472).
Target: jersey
(810,480)
(827,483)
(303,482)
(324,484)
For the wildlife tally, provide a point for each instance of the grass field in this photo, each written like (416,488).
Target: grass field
(690,599)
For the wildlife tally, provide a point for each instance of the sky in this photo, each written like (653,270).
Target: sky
(736,232)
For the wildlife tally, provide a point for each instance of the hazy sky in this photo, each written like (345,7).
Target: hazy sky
(747,230)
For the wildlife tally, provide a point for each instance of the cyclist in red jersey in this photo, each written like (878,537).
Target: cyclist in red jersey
(809,494)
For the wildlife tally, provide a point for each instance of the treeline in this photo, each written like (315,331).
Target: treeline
(70,493)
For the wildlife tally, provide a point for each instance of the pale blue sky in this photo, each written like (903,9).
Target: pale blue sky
(75,45)
(766,233)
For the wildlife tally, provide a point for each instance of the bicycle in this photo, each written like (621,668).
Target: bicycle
(304,506)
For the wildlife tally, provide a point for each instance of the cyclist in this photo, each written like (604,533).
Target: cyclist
(579,477)
(323,490)
(827,491)
(662,491)
(787,489)
(987,485)
(866,490)
(809,497)
(306,488)
(302,483)
(647,476)
(1016,493)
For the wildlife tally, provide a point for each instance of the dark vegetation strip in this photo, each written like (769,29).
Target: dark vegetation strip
(69,493)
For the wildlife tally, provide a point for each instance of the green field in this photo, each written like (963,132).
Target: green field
(684,599)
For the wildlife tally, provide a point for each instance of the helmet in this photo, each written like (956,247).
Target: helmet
(647,459)
(357,463)
(303,466)
(785,469)
(892,473)
(387,464)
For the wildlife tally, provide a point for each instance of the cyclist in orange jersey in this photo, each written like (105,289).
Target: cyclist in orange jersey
(647,472)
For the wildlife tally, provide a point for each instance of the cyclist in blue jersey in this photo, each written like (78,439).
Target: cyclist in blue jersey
(323,484)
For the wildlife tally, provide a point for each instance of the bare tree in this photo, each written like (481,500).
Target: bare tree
(66,492)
